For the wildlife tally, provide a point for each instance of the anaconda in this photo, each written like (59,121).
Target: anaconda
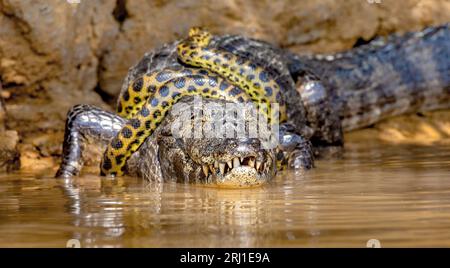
(324,95)
(152,101)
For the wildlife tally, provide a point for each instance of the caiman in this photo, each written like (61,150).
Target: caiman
(307,103)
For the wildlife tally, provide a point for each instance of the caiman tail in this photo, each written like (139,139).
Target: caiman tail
(387,77)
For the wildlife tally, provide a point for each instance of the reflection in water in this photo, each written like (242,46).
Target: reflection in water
(399,195)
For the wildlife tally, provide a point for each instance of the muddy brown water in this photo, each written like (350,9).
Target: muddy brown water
(397,194)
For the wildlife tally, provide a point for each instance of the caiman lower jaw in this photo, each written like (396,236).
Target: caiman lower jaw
(242,177)
(240,172)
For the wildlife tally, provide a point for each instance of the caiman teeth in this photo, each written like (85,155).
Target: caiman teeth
(258,164)
(205,170)
(222,168)
(212,168)
(230,164)
(251,162)
(236,162)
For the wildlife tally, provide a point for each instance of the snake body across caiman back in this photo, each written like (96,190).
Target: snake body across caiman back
(324,94)
(154,94)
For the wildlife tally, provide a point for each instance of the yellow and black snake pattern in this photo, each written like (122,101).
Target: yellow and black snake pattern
(252,78)
(148,98)
(141,89)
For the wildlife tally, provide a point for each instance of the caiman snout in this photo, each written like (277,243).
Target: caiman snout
(232,162)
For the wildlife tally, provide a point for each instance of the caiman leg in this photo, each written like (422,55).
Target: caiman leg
(294,151)
(321,116)
(86,123)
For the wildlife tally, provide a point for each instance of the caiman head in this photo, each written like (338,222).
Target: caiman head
(203,144)
(207,142)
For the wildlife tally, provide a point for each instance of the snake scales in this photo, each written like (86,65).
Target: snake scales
(321,97)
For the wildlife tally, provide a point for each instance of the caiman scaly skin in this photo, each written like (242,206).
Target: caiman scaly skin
(150,96)
(389,76)
(324,94)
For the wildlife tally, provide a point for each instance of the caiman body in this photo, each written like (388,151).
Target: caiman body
(325,96)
